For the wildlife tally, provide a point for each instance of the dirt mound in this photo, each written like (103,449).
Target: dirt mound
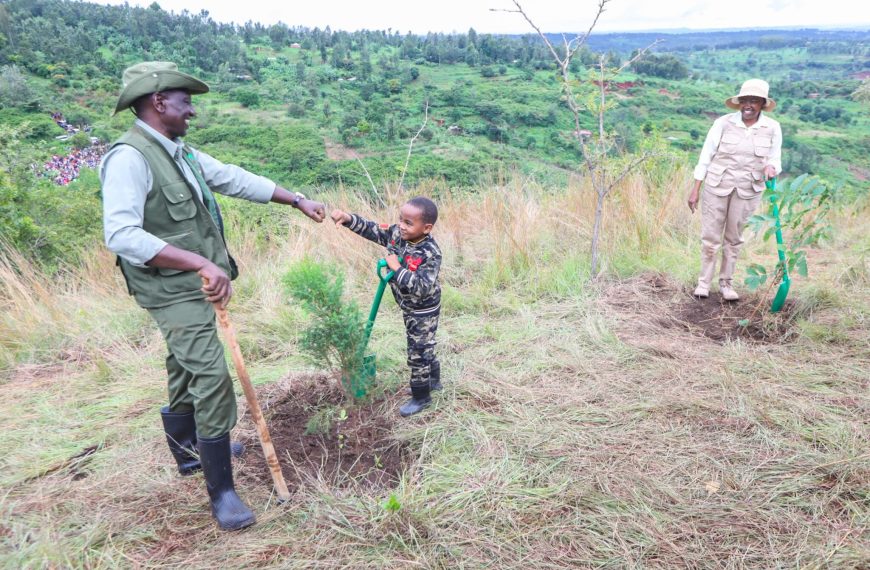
(317,434)
(654,301)
(749,318)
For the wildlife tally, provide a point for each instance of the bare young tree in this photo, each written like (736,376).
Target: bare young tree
(407,159)
(604,172)
(411,144)
(862,93)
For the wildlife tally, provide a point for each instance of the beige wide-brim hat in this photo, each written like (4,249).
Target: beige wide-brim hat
(153,76)
(752,88)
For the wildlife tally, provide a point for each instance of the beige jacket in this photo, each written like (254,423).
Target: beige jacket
(737,159)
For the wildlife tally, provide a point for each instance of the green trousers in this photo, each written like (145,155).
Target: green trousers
(199,379)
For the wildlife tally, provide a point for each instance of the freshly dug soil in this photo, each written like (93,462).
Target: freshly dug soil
(655,301)
(319,434)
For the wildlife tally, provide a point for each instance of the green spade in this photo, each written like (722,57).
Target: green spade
(363,378)
(782,292)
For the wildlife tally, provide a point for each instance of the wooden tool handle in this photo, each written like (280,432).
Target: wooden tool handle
(253,404)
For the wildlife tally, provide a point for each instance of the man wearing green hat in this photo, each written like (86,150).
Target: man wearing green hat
(161,218)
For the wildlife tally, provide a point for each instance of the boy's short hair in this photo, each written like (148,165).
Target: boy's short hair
(427,207)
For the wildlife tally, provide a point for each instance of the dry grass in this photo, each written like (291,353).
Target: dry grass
(574,430)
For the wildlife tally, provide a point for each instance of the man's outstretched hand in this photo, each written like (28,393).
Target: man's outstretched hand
(314,210)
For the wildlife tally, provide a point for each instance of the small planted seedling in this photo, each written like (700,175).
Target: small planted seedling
(392,504)
(335,335)
(803,205)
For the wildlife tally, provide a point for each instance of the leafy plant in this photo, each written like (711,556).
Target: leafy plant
(320,422)
(392,504)
(803,205)
(335,335)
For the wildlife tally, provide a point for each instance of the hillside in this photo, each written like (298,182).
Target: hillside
(608,421)
(335,95)
(610,424)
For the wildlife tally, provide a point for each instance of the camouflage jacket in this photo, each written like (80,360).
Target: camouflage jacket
(415,285)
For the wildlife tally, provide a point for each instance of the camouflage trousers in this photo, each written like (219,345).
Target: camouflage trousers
(420,331)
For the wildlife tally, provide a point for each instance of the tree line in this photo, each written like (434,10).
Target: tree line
(51,37)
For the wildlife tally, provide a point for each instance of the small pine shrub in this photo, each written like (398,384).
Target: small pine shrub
(335,335)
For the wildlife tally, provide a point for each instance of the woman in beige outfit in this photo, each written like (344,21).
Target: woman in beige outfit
(741,151)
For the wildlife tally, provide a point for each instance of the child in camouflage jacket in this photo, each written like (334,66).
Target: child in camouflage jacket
(415,260)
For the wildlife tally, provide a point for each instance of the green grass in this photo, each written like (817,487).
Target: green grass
(581,425)
(576,429)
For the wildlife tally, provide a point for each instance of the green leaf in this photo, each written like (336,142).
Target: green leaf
(756,223)
(743,322)
(802,267)
(392,504)
(755,281)
(797,182)
(756,270)
(757,218)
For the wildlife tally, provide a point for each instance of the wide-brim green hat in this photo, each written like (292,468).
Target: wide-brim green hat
(153,76)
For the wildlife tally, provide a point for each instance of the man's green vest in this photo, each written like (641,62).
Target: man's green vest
(175,214)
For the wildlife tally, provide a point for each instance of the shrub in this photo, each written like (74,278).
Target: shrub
(80,140)
(296,110)
(247,97)
(30,126)
(336,333)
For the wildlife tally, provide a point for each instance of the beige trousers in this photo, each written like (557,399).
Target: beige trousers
(723,217)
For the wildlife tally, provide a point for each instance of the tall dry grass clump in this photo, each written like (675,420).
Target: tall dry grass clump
(513,232)
(580,426)
(73,312)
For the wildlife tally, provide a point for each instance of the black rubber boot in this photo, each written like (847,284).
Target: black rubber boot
(180,428)
(226,506)
(420,400)
(434,378)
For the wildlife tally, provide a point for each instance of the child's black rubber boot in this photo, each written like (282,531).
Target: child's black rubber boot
(420,399)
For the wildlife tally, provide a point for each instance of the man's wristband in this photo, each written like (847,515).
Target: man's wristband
(298,197)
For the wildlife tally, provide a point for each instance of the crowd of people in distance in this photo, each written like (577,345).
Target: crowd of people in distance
(63,169)
(61,122)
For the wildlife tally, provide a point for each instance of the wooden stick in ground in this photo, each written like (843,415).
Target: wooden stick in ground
(253,404)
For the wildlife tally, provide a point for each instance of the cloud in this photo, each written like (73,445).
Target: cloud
(695,10)
(549,15)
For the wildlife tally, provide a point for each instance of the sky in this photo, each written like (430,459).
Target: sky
(549,15)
